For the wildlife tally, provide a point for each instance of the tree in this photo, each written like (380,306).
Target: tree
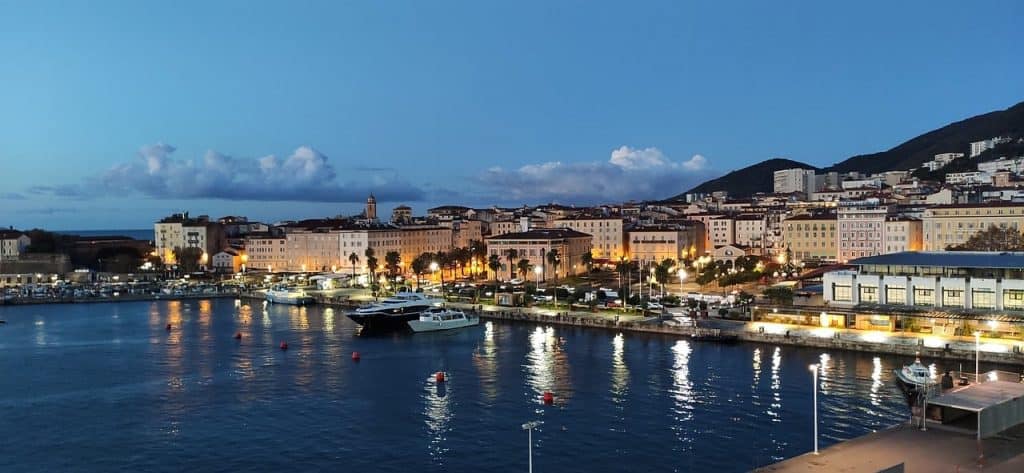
(494,262)
(188,258)
(707,274)
(554,259)
(442,259)
(588,260)
(511,254)
(663,271)
(478,250)
(354,259)
(371,265)
(392,262)
(419,265)
(993,238)
(463,256)
(524,268)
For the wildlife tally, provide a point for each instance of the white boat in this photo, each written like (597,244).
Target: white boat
(436,319)
(392,313)
(914,380)
(288,295)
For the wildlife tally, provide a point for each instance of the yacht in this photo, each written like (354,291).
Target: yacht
(392,313)
(437,318)
(288,295)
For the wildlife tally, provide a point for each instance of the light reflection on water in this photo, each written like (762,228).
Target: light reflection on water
(547,366)
(485,359)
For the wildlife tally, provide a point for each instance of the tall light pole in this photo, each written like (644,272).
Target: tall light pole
(814,371)
(977,355)
(682,276)
(529,426)
(537,270)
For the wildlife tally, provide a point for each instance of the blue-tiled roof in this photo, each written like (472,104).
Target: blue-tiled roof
(949,259)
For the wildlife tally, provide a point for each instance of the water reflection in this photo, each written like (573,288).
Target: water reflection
(876,380)
(438,413)
(682,392)
(620,372)
(485,360)
(757,368)
(823,373)
(547,366)
(776,387)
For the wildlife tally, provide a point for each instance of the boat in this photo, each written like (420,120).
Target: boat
(288,295)
(714,335)
(915,379)
(392,313)
(437,318)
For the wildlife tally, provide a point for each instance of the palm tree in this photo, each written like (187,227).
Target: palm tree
(353,258)
(554,259)
(588,260)
(419,265)
(371,265)
(392,261)
(478,250)
(494,262)
(442,258)
(524,267)
(511,254)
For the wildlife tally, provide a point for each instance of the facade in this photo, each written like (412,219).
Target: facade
(401,215)
(465,232)
(950,225)
(902,234)
(266,252)
(415,240)
(182,231)
(227,261)
(861,229)
(533,245)
(609,240)
(656,243)
(812,237)
(722,231)
(313,250)
(750,230)
(787,181)
(12,244)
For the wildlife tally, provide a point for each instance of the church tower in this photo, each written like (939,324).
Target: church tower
(371,208)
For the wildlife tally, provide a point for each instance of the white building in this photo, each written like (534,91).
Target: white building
(971,177)
(12,244)
(794,180)
(979,147)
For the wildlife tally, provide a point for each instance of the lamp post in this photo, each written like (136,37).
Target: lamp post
(528,427)
(814,371)
(537,270)
(977,355)
(682,276)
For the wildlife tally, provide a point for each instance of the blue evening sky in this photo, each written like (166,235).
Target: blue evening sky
(474,102)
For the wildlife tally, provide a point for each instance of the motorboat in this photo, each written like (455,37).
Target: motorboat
(915,379)
(392,313)
(288,295)
(438,318)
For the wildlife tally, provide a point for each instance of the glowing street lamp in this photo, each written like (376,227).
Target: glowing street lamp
(814,371)
(529,426)
(682,277)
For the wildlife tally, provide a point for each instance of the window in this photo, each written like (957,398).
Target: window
(983,299)
(895,295)
(924,296)
(868,294)
(842,293)
(952,298)
(1013,299)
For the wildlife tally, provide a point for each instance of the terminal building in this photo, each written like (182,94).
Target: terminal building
(950,293)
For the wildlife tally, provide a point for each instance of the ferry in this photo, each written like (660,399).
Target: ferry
(437,318)
(392,313)
(288,295)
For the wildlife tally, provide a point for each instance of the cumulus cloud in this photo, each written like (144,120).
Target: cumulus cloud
(304,175)
(629,173)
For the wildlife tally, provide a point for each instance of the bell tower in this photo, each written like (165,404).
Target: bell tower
(371,208)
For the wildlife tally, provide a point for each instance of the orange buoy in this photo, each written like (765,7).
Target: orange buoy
(439,376)
(284,345)
(238,335)
(548,397)
(355,356)
(168,327)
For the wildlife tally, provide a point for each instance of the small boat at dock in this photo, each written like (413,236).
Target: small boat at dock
(437,318)
(714,335)
(914,380)
(288,295)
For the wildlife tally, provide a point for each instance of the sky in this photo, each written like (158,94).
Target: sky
(113,114)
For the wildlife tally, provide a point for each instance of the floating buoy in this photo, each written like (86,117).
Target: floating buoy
(238,335)
(168,327)
(439,376)
(355,356)
(548,397)
(284,345)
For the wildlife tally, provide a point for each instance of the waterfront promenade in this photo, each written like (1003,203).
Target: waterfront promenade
(931,451)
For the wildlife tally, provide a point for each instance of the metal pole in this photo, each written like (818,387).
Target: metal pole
(815,410)
(530,448)
(977,355)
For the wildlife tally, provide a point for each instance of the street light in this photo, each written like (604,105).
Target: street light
(682,277)
(529,426)
(814,371)
(537,270)
(977,354)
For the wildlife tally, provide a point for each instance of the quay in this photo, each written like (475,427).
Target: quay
(120,298)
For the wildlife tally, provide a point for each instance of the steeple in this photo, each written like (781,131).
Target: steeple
(371,208)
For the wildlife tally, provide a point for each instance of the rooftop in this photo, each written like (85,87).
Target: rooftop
(949,259)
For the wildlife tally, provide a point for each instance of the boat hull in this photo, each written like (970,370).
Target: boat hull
(383,322)
(432,326)
(297,300)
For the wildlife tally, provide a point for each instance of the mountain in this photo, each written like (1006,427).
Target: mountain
(749,180)
(952,138)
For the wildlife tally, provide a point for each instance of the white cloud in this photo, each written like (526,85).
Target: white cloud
(629,173)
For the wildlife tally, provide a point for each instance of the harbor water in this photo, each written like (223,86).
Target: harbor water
(105,387)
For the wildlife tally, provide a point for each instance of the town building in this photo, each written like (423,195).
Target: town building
(656,243)
(723,231)
(401,215)
(902,234)
(794,180)
(12,244)
(749,230)
(179,231)
(228,261)
(861,228)
(952,225)
(415,240)
(534,245)
(979,147)
(609,241)
(266,251)
(812,237)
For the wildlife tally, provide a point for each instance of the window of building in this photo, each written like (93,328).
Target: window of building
(952,298)
(983,299)
(868,294)
(895,295)
(1013,299)
(842,293)
(924,296)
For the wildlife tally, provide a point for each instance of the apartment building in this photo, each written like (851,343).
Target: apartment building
(950,225)
(182,231)
(811,237)
(902,234)
(655,243)
(265,251)
(415,240)
(750,230)
(533,245)
(12,244)
(786,181)
(861,229)
(608,241)
(722,231)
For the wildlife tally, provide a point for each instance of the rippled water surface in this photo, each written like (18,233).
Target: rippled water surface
(105,387)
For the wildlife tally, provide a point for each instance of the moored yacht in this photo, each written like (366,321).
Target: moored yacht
(391,313)
(288,295)
(438,318)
